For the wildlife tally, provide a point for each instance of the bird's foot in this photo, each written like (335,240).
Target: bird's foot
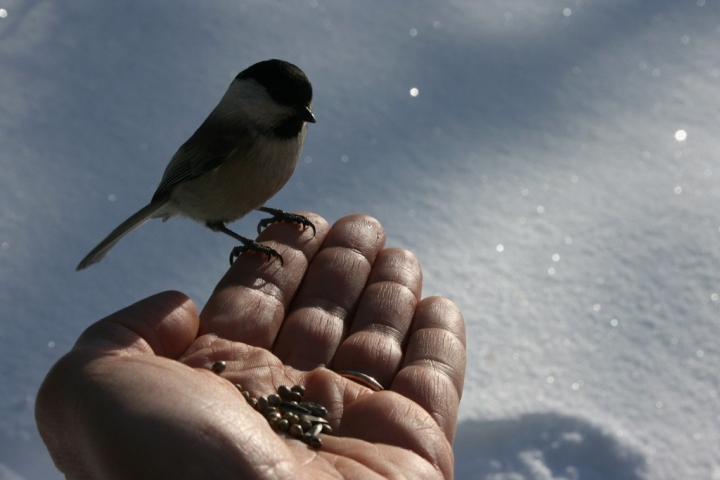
(283,216)
(255,247)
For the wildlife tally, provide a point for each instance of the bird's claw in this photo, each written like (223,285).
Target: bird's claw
(283,216)
(255,247)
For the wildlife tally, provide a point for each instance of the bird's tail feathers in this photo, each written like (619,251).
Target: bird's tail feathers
(143,215)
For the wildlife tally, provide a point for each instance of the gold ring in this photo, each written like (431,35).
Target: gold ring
(362,379)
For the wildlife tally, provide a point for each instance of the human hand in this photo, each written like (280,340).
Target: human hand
(135,397)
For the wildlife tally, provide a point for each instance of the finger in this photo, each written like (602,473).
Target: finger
(433,369)
(249,304)
(385,312)
(164,324)
(330,293)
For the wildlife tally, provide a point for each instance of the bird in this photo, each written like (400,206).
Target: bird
(241,155)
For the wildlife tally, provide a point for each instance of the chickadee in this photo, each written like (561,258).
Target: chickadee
(242,154)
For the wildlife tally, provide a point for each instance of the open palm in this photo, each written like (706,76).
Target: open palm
(135,398)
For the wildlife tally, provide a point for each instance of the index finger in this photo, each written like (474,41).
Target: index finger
(250,301)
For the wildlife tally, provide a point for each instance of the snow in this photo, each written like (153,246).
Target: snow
(529,153)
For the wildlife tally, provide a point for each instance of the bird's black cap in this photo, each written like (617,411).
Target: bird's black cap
(284,82)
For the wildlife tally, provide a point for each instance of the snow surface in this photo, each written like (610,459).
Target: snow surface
(540,174)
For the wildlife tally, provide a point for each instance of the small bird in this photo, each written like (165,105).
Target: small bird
(242,154)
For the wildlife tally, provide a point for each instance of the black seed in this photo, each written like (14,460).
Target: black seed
(315,408)
(262,403)
(296,431)
(273,417)
(313,419)
(284,392)
(291,417)
(294,408)
(313,432)
(274,399)
(268,410)
(315,442)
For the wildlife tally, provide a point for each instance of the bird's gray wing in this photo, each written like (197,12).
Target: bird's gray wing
(204,151)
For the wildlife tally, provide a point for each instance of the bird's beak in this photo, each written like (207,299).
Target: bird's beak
(306,115)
